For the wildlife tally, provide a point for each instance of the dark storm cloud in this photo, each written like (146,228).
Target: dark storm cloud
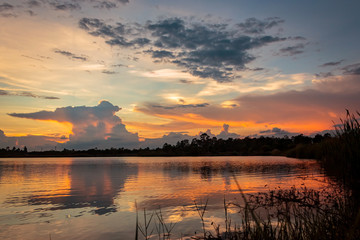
(25,94)
(71,55)
(256,26)
(200,105)
(293,50)
(353,69)
(116,34)
(331,64)
(204,50)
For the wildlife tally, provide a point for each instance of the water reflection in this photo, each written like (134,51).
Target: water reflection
(89,198)
(93,184)
(178,181)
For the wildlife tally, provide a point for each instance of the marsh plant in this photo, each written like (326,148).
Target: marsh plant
(153,226)
(341,156)
(295,213)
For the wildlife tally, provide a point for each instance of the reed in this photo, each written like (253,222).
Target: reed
(295,213)
(150,224)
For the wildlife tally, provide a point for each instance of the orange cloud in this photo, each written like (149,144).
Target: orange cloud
(306,111)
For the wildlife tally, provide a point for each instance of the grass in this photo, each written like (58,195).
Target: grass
(278,214)
(151,223)
(341,155)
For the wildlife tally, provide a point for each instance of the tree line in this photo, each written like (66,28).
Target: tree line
(295,146)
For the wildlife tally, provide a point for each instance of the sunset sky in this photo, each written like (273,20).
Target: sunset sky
(135,73)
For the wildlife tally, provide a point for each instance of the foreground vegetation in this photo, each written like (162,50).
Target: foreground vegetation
(299,214)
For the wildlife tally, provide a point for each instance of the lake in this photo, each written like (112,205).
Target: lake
(97,198)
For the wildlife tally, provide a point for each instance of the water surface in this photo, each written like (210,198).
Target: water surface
(94,198)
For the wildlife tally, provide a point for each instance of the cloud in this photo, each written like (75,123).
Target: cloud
(170,138)
(5,93)
(206,51)
(60,5)
(297,107)
(292,50)
(92,127)
(31,13)
(307,110)
(25,94)
(256,26)
(6,7)
(99,127)
(160,54)
(37,58)
(6,10)
(331,64)
(225,134)
(353,69)
(105,4)
(71,55)
(30,141)
(256,69)
(185,81)
(277,132)
(109,4)
(298,38)
(324,75)
(119,65)
(215,51)
(199,105)
(108,72)
(33,3)
(116,35)
(174,137)
(338,84)
(65,6)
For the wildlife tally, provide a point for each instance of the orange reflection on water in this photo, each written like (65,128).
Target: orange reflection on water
(170,186)
(83,193)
